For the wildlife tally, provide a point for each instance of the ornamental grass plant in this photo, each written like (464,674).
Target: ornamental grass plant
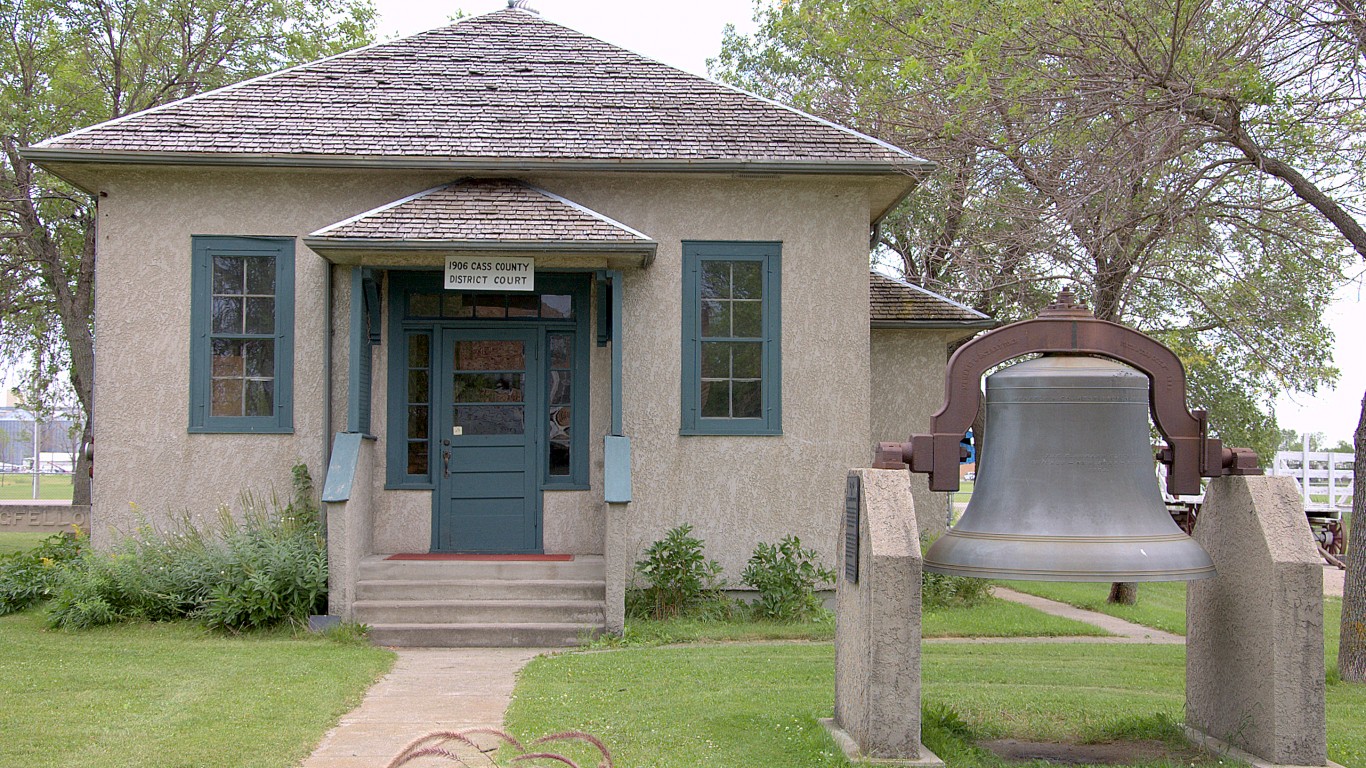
(264,566)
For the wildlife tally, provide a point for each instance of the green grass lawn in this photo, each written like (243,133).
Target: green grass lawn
(20,487)
(171,695)
(1161,604)
(19,542)
(993,618)
(747,705)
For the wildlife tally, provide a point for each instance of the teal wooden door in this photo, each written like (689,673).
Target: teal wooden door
(487,493)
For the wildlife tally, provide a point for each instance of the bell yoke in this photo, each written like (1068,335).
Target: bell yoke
(1066,490)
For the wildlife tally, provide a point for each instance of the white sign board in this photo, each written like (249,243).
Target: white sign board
(490,273)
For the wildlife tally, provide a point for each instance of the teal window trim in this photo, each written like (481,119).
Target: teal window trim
(364,334)
(203,249)
(769,256)
(402,327)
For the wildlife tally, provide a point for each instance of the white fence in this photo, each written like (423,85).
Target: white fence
(1325,479)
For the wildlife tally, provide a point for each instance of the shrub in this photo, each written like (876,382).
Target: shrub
(940,590)
(30,577)
(679,578)
(268,569)
(786,575)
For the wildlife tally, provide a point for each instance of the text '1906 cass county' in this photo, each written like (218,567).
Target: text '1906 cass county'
(490,273)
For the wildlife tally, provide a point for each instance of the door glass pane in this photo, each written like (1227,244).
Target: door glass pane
(417,386)
(424,304)
(490,419)
(489,305)
(417,457)
(523,305)
(490,356)
(488,388)
(561,439)
(458,305)
(559,387)
(418,350)
(417,422)
(557,306)
(561,349)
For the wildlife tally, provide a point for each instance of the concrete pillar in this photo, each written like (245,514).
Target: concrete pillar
(350,530)
(877,624)
(617,567)
(1254,640)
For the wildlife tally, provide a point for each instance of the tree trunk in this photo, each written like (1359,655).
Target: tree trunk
(1123,593)
(1352,636)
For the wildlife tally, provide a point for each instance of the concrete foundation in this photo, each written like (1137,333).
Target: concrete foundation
(1254,648)
(877,625)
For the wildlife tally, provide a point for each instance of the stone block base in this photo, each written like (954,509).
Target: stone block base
(1211,744)
(850,749)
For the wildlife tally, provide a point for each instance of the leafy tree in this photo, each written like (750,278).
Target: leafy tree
(65,64)
(1049,175)
(1055,166)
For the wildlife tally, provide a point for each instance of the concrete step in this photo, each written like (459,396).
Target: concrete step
(581,568)
(481,589)
(492,635)
(375,612)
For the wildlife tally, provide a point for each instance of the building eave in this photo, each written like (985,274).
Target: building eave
(329,246)
(43,157)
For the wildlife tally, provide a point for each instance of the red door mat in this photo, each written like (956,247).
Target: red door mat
(479,557)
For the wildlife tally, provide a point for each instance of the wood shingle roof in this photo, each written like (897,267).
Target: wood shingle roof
(499,87)
(898,304)
(483,214)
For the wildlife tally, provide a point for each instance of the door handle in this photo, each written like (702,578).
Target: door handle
(446,459)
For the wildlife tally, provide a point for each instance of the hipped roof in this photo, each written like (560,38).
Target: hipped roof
(502,90)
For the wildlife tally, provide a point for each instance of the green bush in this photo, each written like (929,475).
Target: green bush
(28,578)
(786,576)
(267,569)
(939,590)
(679,579)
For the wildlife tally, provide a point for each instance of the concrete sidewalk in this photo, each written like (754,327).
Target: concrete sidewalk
(428,689)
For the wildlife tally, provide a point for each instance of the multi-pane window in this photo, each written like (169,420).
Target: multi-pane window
(242,325)
(731,377)
(560,421)
(419,403)
(732,302)
(242,336)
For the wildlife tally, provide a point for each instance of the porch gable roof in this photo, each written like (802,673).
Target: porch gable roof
(483,215)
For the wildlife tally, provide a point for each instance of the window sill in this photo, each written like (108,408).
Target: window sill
(241,430)
(735,432)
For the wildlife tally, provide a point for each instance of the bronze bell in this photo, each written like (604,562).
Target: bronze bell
(1067,489)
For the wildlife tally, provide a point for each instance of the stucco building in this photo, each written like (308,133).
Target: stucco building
(526,300)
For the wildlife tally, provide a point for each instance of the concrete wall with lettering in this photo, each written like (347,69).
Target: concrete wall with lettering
(22,517)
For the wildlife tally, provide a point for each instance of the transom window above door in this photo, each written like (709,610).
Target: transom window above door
(492,306)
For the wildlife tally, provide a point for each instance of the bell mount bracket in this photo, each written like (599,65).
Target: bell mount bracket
(1067,327)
